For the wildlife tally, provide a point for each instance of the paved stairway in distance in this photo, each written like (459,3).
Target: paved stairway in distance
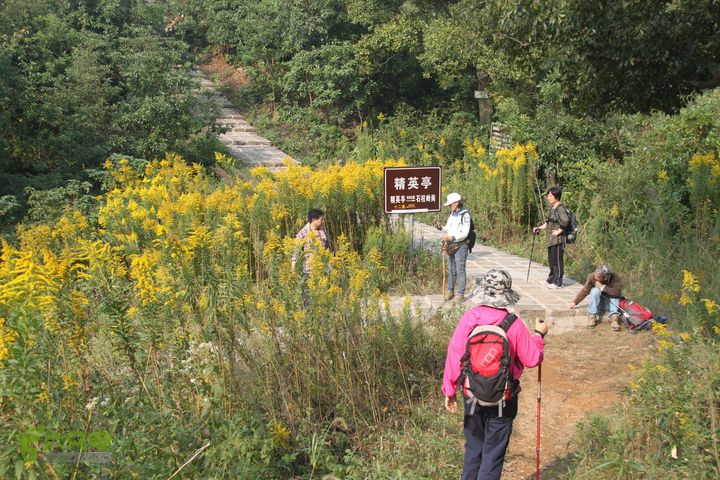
(536,300)
(241,139)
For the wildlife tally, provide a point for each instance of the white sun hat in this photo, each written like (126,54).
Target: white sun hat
(452,198)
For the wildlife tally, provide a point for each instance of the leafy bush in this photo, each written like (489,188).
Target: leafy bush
(302,132)
(669,420)
(8,203)
(50,204)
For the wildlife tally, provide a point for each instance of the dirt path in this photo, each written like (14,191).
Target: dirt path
(583,373)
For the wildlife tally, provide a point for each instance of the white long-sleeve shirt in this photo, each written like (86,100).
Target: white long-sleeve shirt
(458,225)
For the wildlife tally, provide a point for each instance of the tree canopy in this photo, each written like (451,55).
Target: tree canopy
(83,79)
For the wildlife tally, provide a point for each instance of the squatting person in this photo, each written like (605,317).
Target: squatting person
(603,288)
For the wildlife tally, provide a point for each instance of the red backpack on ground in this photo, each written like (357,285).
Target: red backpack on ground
(635,316)
(486,378)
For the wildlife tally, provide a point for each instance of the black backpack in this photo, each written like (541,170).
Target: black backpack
(471,236)
(572,231)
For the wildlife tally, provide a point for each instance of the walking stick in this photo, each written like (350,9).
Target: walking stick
(531,254)
(537,443)
(444,246)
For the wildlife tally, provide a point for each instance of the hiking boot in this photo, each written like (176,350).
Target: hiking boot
(615,323)
(592,320)
(449,296)
(459,298)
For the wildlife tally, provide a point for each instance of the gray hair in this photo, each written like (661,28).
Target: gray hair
(603,270)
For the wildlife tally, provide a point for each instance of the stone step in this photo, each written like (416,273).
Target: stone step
(233,121)
(241,126)
(237,128)
(273,167)
(247,138)
(257,157)
(227,113)
(260,155)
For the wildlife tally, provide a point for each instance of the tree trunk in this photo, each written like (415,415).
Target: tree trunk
(485,108)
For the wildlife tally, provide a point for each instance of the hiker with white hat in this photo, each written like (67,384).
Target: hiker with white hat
(487,426)
(455,246)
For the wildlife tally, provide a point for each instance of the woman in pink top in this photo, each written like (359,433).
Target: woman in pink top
(487,434)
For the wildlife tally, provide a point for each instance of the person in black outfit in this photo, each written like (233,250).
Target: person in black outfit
(557,225)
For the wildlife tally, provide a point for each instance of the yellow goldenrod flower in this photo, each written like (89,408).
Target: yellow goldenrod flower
(690,282)
(7,336)
(280,434)
(684,299)
(710,305)
(663,345)
(43,396)
(660,330)
(69,382)
(666,297)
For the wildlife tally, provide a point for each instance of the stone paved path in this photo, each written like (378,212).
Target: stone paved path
(241,138)
(537,301)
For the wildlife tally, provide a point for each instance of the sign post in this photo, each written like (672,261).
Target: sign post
(412,189)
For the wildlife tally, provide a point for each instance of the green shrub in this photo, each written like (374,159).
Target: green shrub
(50,204)
(405,270)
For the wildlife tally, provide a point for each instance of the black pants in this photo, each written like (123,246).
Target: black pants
(557,263)
(486,440)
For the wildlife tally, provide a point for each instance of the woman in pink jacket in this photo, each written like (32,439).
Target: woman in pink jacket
(487,430)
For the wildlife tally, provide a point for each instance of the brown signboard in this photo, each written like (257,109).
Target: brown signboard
(412,189)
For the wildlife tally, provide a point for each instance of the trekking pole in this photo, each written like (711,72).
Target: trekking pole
(531,254)
(537,443)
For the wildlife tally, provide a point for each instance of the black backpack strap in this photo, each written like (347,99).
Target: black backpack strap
(508,321)
(505,325)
